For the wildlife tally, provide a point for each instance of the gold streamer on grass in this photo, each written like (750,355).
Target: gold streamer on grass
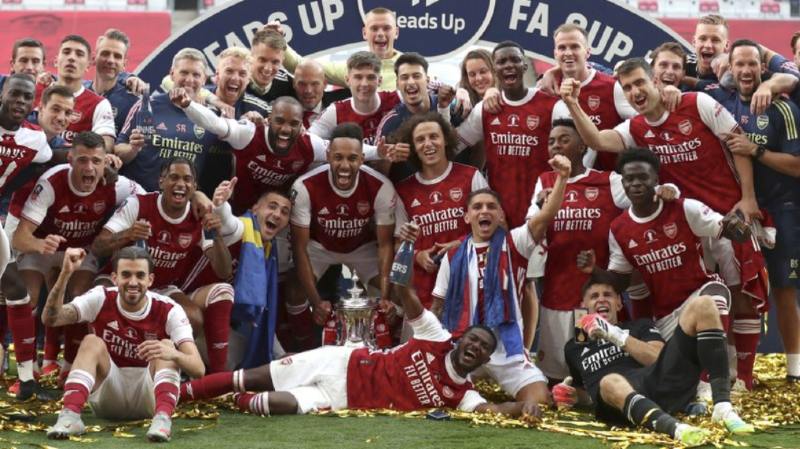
(772,403)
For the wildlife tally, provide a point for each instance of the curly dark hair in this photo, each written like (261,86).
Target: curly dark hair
(406,135)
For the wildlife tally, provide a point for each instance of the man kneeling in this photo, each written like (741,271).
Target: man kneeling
(632,376)
(425,372)
(129,367)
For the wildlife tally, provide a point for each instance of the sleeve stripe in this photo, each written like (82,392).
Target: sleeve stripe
(788,119)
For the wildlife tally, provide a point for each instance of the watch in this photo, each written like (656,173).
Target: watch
(760,152)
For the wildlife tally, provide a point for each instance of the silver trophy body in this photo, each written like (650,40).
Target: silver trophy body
(355,315)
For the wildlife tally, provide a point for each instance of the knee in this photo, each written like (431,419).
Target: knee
(92,344)
(704,306)
(219,293)
(610,386)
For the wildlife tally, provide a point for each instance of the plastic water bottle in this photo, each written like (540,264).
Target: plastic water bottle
(401,266)
(143,120)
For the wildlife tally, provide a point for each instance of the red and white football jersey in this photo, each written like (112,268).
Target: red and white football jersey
(259,169)
(124,331)
(415,375)
(515,141)
(603,100)
(438,207)
(20,148)
(591,202)
(666,249)
(56,207)
(687,142)
(171,240)
(344,111)
(342,221)
(94,113)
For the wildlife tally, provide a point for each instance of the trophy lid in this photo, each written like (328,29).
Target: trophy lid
(355,301)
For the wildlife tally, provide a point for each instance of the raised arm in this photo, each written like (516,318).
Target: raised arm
(55,313)
(605,140)
(539,222)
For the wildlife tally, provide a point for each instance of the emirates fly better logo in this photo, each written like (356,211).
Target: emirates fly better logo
(446,26)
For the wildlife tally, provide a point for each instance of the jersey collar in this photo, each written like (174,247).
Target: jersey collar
(451,370)
(648,218)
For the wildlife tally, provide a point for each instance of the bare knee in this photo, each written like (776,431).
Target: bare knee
(92,345)
(614,389)
(703,306)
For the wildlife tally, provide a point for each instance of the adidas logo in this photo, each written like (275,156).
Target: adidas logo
(114,325)
(415,203)
(496,121)
(324,211)
(585,350)
(261,158)
(161,126)
(632,244)
(649,134)
(430,357)
(64,210)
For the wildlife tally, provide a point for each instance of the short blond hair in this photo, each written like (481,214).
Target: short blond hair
(236,52)
(570,27)
(713,19)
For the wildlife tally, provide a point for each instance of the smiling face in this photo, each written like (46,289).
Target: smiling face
(571,52)
(363,82)
(639,181)
(640,91)
(479,75)
(746,68)
(132,277)
(509,67)
(17,100)
(412,82)
(380,31)
(429,144)
(668,68)
(189,74)
(603,300)
(309,84)
(266,63)
(285,125)
(345,156)
(56,114)
(28,60)
(110,58)
(177,185)
(709,41)
(233,75)
(72,60)
(88,165)
(484,215)
(272,212)
(473,350)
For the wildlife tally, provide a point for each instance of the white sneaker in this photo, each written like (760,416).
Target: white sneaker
(69,423)
(738,389)
(704,392)
(160,430)
(727,416)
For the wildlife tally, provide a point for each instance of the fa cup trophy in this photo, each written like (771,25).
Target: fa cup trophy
(355,315)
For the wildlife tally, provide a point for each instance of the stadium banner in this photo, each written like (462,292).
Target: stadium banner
(147,30)
(433,28)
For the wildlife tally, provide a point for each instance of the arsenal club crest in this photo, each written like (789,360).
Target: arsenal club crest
(593,102)
(762,121)
(184,240)
(532,122)
(456,194)
(99,207)
(685,127)
(591,193)
(363,207)
(671,230)
(199,132)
